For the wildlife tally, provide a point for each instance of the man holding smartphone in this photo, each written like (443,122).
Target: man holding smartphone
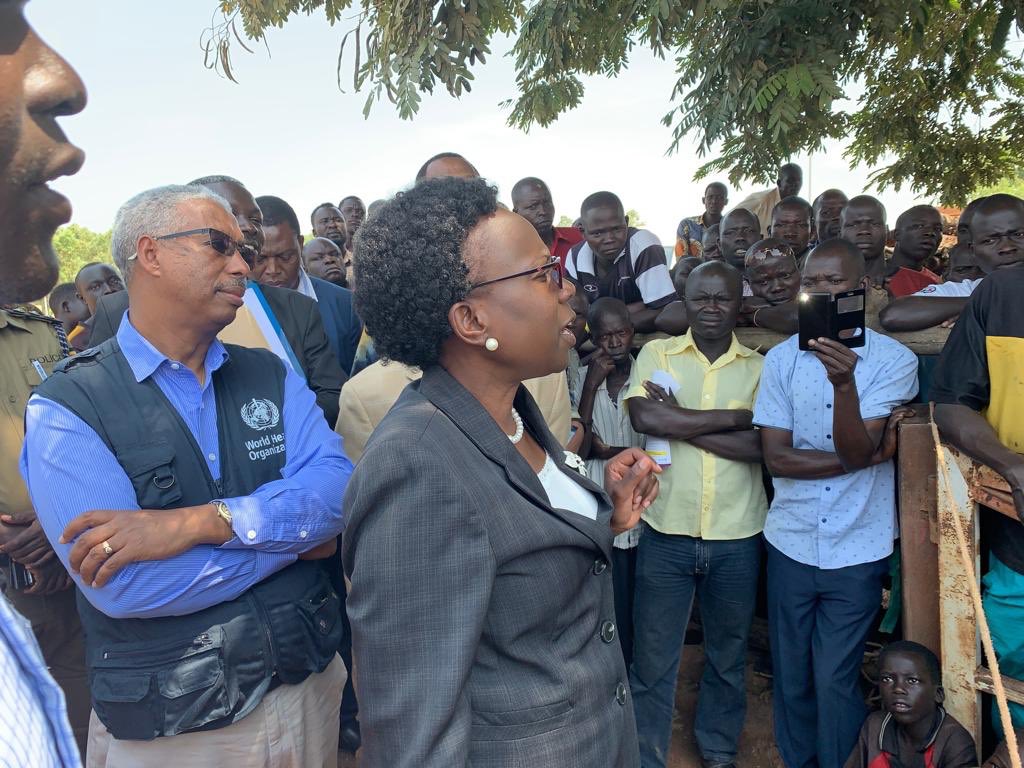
(828,419)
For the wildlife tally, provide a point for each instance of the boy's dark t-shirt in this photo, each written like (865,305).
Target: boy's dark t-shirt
(949,745)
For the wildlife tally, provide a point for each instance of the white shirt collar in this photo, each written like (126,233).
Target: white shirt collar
(305,286)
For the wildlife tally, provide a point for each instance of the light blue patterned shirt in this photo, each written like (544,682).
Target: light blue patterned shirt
(849,519)
(34,729)
(69,470)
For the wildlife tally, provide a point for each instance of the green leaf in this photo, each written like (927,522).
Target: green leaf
(757,80)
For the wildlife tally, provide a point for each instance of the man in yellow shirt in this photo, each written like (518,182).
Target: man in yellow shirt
(703,534)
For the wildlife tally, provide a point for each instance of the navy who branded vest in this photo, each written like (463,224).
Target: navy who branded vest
(206,670)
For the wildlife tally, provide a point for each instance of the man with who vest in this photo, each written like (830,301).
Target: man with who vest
(196,536)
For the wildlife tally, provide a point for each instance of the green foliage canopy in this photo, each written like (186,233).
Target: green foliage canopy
(1010,186)
(77,246)
(932,89)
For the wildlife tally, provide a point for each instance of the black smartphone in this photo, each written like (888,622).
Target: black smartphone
(814,315)
(849,318)
(18,576)
(839,317)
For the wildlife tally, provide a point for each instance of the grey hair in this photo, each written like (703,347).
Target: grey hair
(153,212)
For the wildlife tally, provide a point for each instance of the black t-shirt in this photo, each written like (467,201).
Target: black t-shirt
(982,367)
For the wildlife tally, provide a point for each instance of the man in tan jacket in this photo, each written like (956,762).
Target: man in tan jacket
(368,396)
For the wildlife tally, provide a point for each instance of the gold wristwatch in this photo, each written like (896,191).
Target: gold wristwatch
(222,511)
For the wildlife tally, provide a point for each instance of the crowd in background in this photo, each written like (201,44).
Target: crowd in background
(259,504)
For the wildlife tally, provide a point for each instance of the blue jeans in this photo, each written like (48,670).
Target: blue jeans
(670,570)
(818,622)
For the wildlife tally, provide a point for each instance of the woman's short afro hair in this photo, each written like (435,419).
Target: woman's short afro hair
(409,268)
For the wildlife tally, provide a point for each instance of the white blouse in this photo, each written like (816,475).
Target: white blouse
(563,493)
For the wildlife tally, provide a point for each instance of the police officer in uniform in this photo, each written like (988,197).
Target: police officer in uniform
(30,345)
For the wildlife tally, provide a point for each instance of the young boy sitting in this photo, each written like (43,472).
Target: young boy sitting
(912,730)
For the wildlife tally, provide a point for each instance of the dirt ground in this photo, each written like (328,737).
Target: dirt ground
(757,746)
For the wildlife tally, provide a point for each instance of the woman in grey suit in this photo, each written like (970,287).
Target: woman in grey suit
(481,602)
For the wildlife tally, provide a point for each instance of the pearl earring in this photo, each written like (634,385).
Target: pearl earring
(491,344)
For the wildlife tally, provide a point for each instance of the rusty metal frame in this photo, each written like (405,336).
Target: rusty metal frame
(937,608)
(964,676)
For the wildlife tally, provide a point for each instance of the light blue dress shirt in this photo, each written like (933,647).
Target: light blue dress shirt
(69,470)
(34,728)
(849,519)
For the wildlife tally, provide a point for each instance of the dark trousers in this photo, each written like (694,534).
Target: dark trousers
(349,705)
(819,621)
(623,589)
(58,631)
(670,570)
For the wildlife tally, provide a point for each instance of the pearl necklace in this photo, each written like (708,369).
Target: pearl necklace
(519,428)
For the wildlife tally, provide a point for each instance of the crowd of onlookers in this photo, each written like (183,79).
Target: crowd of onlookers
(265,496)
(712,411)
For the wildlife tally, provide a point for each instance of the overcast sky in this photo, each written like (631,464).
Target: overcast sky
(157,116)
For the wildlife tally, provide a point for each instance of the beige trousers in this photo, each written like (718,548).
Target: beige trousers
(295,726)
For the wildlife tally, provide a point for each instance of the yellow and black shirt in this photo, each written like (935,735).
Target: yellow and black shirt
(982,367)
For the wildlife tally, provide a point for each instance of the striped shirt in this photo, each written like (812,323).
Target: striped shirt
(639,272)
(34,728)
(611,422)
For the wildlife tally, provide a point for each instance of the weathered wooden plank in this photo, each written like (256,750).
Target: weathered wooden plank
(1014,688)
(918,533)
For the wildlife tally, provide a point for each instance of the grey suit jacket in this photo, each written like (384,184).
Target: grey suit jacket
(482,618)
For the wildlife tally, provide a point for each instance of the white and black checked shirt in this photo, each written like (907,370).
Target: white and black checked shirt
(611,422)
(34,729)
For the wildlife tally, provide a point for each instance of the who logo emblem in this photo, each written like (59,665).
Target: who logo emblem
(260,414)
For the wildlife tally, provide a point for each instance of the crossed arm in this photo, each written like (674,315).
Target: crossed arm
(168,562)
(858,442)
(727,433)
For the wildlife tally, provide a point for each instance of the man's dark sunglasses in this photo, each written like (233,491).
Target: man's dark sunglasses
(555,266)
(221,242)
